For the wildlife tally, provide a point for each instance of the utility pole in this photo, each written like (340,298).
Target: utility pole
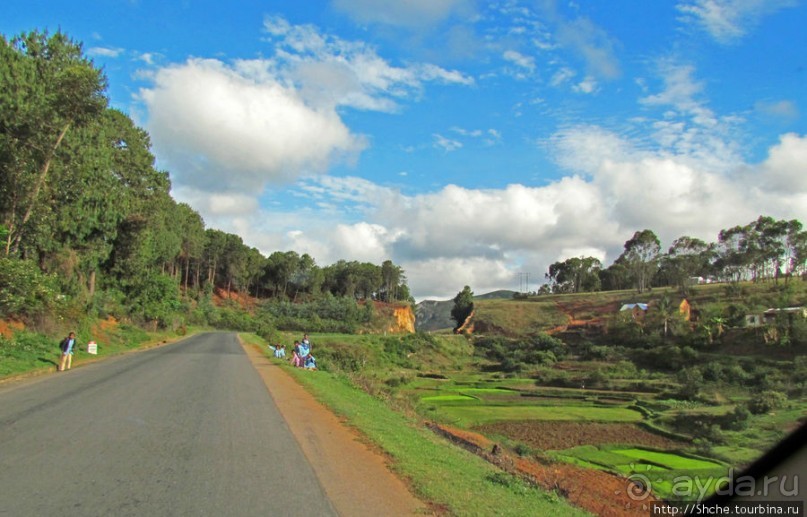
(523,282)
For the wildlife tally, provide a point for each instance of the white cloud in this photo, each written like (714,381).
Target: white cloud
(410,14)
(331,71)
(784,110)
(104,52)
(221,130)
(562,76)
(444,278)
(680,87)
(520,60)
(785,169)
(446,144)
(592,44)
(729,20)
(147,57)
(587,85)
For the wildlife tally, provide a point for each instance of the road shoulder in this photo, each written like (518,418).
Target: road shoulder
(355,478)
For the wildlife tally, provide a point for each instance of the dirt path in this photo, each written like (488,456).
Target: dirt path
(355,478)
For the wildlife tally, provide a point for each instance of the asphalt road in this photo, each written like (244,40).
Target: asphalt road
(184,429)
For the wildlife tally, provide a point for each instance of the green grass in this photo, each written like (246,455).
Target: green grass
(668,474)
(439,472)
(667,460)
(478,415)
(447,398)
(521,317)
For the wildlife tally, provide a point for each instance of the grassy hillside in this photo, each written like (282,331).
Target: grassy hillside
(548,313)
(603,392)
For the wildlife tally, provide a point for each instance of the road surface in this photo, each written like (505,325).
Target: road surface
(184,429)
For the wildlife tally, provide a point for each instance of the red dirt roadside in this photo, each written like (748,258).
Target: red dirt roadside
(355,478)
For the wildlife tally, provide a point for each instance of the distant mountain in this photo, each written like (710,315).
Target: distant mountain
(495,295)
(431,315)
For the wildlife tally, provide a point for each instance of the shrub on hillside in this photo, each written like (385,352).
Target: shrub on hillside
(341,357)
(399,349)
(690,380)
(590,352)
(514,354)
(737,419)
(24,289)
(766,401)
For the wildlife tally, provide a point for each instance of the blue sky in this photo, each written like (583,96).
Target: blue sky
(467,141)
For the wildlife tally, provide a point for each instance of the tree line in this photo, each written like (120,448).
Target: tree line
(85,213)
(764,249)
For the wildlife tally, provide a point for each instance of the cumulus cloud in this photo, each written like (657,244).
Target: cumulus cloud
(785,169)
(237,127)
(232,128)
(727,21)
(219,128)
(455,236)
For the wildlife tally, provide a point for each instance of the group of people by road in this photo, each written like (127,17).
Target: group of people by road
(301,356)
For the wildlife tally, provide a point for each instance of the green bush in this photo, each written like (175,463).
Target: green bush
(24,289)
(767,401)
(342,357)
(737,419)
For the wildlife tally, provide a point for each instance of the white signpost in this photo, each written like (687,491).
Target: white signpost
(92,348)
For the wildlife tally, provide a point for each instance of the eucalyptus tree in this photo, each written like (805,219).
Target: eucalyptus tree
(369,279)
(641,257)
(392,277)
(47,87)
(687,257)
(795,256)
(575,274)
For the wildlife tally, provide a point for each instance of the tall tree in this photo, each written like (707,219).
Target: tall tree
(390,276)
(192,233)
(796,250)
(47,86)
(641,257)
(687,257)
(575,274)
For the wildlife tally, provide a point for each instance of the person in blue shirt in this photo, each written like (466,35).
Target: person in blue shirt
(303,350)
(67,346)
(310,363)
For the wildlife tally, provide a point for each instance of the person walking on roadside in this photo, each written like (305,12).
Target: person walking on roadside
(67,345)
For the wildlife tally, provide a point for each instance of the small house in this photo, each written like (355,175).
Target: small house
(637,310)
(771,315)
